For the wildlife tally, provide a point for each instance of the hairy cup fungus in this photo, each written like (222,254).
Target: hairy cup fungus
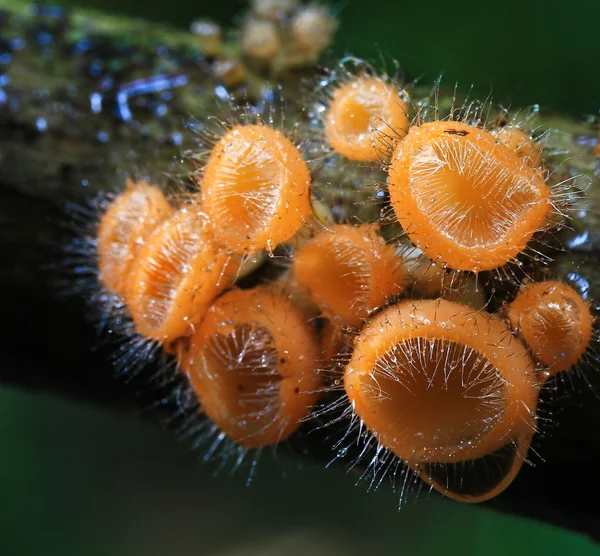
(312,29)
(176,276)
(437,382)
(349,271)
(252,365)
(468,201)
(261,39)
(365,117)
(255,189)
(555,321)
(123,229)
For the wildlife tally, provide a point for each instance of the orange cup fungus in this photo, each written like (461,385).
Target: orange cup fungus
(251,362)
(177,274)
(365,116)
(255,189)
(123,229)
(555,321)
(349,271)
(468,201)
(519,141)
(447,388)
(437,382)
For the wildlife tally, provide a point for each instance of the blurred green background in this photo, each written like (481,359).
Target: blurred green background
(79,481)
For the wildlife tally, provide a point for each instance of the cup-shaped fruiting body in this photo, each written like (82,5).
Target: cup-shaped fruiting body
(464,198)
(177,275)
(437,382)
(522,144)
(365,117)
(555,321)
(255,189)
(252,365)
(123,229)
(349,271)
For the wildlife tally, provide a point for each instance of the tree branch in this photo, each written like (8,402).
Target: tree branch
(73,123)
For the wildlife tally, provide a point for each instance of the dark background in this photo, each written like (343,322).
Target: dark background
(76,480)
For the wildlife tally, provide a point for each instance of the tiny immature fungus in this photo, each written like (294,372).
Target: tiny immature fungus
(251,363)
(465,199)
(283,34)
(176,276)
(555,321)
(230,71)
(209,35)
(437,382)
(255,189)
(123,229)
(273,9)
(426,278)
(261,39)
(349,271)
(365,117)
(311,29)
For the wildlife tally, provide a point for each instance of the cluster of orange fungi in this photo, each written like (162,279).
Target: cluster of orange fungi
(438,382)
